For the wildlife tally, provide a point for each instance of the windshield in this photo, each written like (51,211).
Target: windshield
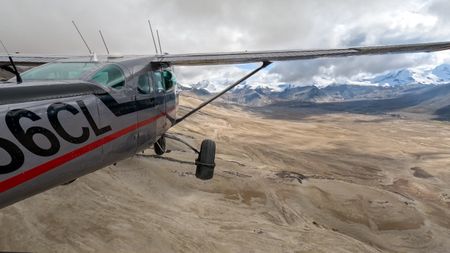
(59,71)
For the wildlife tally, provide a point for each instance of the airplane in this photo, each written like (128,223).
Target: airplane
(70,116)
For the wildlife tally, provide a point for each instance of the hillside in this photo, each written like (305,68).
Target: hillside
(334,182)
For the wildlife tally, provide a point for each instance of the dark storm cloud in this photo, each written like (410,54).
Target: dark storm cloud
(44,26)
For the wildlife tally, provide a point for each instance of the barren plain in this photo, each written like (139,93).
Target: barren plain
(286,181)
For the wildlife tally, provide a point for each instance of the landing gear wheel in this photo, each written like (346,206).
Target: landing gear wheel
(160,146)
(205,162)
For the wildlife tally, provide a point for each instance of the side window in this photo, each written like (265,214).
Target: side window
(169,79)
(157,78)
(144,84)
(110,76)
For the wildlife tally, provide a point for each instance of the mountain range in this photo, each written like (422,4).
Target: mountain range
(421,75)
(422,90)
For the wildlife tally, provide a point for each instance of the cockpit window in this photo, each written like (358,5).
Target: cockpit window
(110,76)
(59,71)
(169,79)
(144,85)
(164,80)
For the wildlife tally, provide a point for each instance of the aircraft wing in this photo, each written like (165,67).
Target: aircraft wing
(30,60)
(249,57)
(289,55)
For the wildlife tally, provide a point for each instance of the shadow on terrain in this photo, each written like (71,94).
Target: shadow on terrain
(166,158)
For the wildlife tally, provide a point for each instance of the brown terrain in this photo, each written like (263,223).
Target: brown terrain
(286,181)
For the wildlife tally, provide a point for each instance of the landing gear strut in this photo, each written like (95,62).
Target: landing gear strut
(206,156)
(160,146)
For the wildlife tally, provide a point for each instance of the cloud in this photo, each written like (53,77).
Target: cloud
(304,71)
(440,9)
(224,75)
(44,26)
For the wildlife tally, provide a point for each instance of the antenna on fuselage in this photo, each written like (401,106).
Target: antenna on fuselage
(81,35)
(11,61)
(153,36)
(104,42)
(4,47)
(159,41)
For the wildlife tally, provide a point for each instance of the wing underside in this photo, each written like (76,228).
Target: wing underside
(290,55)
(257,56)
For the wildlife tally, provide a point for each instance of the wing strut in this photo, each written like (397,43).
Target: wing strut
(264,65)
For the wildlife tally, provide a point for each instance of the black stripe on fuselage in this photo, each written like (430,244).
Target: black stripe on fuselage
(119,109)
(38,92)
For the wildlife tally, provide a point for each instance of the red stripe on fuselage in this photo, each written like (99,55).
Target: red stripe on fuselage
(41,169)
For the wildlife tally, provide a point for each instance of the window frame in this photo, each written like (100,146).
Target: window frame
(149,78)
(122,72)
(157,90)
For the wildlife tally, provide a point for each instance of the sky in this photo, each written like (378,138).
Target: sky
(194,26)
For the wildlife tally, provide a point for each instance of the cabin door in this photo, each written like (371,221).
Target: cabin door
(160,100)
(145,99)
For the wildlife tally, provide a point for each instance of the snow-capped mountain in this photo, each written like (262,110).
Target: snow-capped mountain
(442,72)
(207,85)
(394,78)
(422,75)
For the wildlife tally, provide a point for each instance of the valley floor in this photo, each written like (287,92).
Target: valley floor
(285,182)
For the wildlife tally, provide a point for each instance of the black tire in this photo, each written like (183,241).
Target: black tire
(205,162)
(160,146)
